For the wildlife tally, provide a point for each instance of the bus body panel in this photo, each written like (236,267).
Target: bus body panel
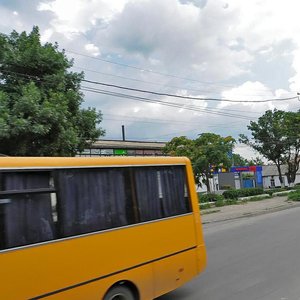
(96,290)
(174,271)
(76,258)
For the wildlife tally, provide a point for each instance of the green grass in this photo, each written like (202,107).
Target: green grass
(294,196)
(210,212)
(205,206)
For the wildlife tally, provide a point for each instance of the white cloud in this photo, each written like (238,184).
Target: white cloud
(256,91)
(10,20)
(79,16)
(246,151)
(92,49)
(182,36)
(46,35)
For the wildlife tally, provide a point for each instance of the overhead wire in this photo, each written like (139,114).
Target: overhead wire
(203,91)
(165,103)
(137,68)
(132,97)
(149,70)
(163,94)
(168,121)
(144,99)
(185,97)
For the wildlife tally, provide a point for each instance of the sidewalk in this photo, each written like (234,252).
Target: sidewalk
(251,208)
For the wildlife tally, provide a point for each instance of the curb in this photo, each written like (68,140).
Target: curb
(253,214)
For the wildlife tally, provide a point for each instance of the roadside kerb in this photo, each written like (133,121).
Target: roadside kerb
(246,209)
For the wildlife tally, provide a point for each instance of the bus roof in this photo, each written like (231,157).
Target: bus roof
(58,162)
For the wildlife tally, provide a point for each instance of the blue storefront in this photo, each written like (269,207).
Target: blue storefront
(250,176)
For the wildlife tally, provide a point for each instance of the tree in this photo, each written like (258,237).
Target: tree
(276,136)
(180,146)
(238,160)
(40,100)
(292,156)
(206,152)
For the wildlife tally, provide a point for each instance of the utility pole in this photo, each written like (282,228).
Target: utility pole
(123,133)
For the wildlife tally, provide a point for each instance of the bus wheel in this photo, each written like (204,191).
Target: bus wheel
(119,293)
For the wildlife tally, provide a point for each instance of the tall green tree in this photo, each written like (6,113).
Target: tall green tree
(206,152)
(276,136)
(238,160)
(40,100)
(292,156)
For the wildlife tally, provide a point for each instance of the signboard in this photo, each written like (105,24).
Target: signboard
(245,169)
(256,169)
(120,152)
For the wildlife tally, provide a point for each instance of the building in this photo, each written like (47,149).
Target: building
(271,176)
(252,176)
(239,177)
(124,148)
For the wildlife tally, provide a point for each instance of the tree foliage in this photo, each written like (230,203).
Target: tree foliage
(292,155)
(238,160)
(276,135)
(206,152)
(40,100)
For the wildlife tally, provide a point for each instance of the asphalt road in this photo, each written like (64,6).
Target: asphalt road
(248,259)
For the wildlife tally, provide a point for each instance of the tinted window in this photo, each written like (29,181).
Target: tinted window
(25,208)
(41,206)
(92,200)
(161,192)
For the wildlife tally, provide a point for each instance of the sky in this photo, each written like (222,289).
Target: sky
(215,50)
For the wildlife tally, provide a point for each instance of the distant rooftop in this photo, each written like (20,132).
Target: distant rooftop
(116,144)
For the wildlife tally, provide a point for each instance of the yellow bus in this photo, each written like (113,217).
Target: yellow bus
(114,228)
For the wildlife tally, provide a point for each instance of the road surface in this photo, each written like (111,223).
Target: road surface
(248,259)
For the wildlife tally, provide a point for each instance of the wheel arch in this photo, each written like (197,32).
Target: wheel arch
(130,285)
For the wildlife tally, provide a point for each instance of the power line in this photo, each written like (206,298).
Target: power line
(194,108)
(151,120)
(184,97)
(149,70)
(154,83)
(158,93)
(142,81)
(141,69)
(170,104)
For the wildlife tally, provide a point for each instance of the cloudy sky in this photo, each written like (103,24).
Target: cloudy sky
(242,51)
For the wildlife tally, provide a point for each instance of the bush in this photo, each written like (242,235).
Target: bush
(294,196)
(225,187)
(204,198)
(269,192)
(231,194)
(296,186)
(258,198)
(231,201)
(235,194)
(276,190)
(204,205)
(219,203)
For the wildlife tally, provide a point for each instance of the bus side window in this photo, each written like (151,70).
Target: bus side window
(147,193)
(25,204)
(91,200)
(161,192)
(175,200)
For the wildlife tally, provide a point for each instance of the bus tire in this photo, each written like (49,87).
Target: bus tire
(119,292)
